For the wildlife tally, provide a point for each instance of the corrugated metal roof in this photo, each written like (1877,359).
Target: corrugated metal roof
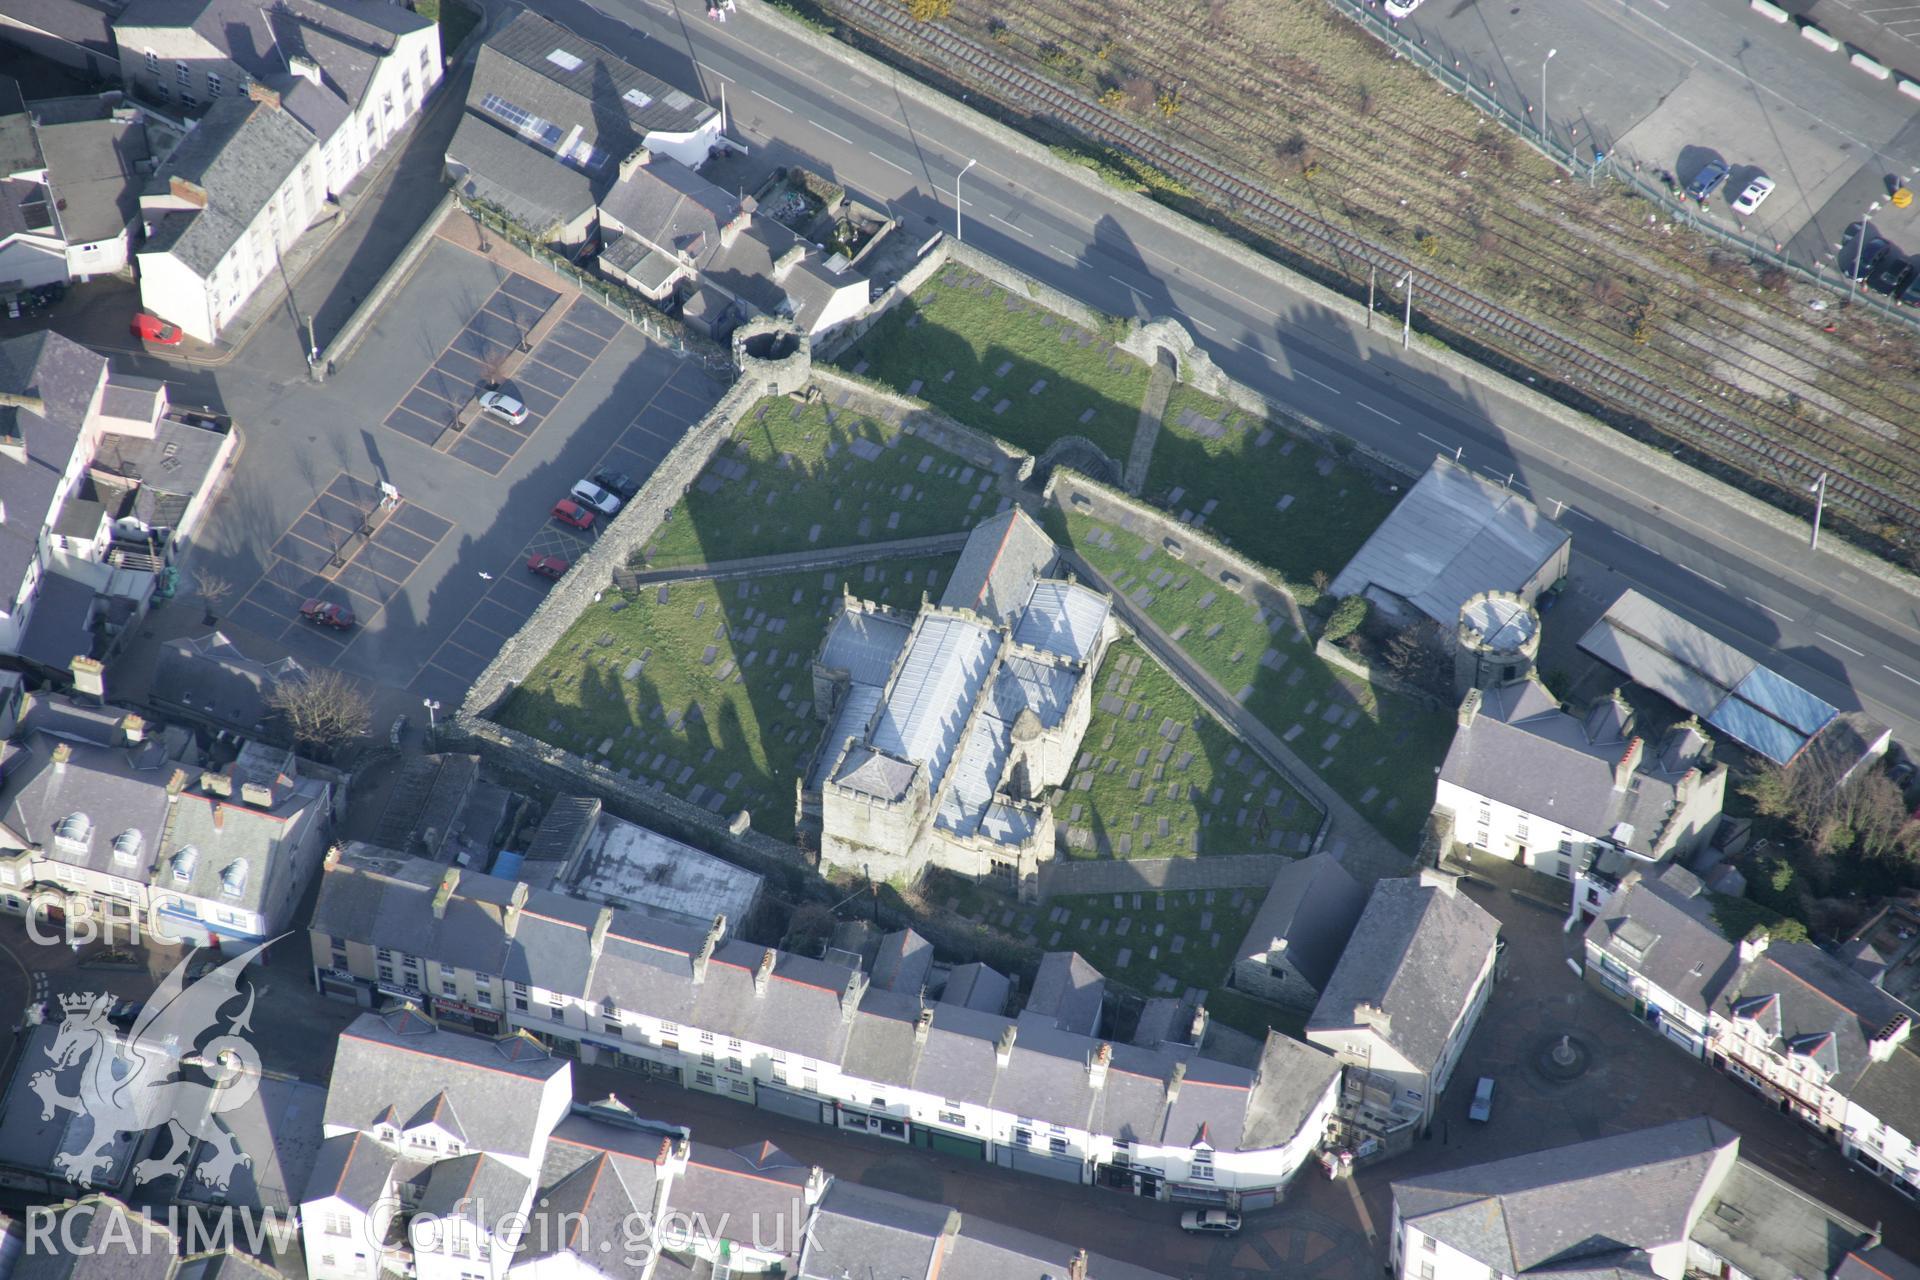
(976,776)
(939,678)
(1453,536)
(1063,617)
(1672,634)
(864,646)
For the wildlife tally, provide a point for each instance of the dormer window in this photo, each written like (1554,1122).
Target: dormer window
(233,880)
(183,864)
(76,830)
(126,848)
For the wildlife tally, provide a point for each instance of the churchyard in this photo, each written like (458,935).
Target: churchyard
(797,476)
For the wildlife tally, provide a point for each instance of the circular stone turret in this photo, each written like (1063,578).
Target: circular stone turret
(1497,643)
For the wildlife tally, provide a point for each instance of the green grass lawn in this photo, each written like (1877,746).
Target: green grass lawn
(1377,749)
(962,323)
(1160,778)
(705,691)
(1279,499)
(1135,944)
(802,475)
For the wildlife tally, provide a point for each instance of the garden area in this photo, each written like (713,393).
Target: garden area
(1379,750)
(802,475)
(1276,498)
(1158,777)
(702,689)
(1006,366)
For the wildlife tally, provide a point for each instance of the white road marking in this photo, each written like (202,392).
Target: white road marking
(1242,342)
(1370,409)
(1574,511)
(1423,435)
(1204,325)
(1842,643)
(1316,382)
(1703,577)
(902,168)
(1009,226)
(831,134)
(769,101)
(1903,675)
(1636,542)
(1123,284)
(1769,608)
(723,75)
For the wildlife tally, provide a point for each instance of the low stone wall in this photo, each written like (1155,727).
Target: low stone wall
(923,421)
(376,300)
(1136,875)
(1334,655)
(833,342)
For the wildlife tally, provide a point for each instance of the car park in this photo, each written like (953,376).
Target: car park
(547,566)
(1481,1108)
(1749,198)
(572,514)
(1860,252)
(1707,180)
(1893,274)
(325,613)
(1210,1222)
(155,330)
(594,496)
(616,482)
(504,406)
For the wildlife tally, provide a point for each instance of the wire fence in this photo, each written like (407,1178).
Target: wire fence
(1601,162)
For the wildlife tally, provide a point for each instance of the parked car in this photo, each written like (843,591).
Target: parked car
(572,514)
(1910,296)
(325,613)
(502,405)
(1398,9)
(398,731)
(594,496)
(1860,252)
(547,566)
(1749,199)
(616,482)
(1892,276)
(1482,1107)
(1210,1222)
(1707,181)
(153,329)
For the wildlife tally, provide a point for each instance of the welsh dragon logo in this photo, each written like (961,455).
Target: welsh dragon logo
(158,1073)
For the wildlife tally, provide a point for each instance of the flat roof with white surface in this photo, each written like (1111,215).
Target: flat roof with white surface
(643,871)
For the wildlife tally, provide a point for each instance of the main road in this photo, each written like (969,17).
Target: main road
(1846,635)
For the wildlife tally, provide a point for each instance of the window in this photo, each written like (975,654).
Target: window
(426,59)
(338,1224)
(75,829)
(183,864)
(1429,1244)
(339,958)
(780,1072)
(1022,1137)
(740,1087)
(233,880)
(187,101)
(706,1057)
(733,1045)
(733,1065)
(384,953)
(448,987)
(153,63)
(703,1077)
(159,91)
(706,1037)
(1058,1146)
(406,82)
(126,847)
(183,75)
(386,973)
(483,995)
(953,1118)
(213,84)
(242,86)
(669,1028)
(564,60)
(636,97)
(1426,1270)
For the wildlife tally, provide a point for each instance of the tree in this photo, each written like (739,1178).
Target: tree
(1346,619)
(929,10)
(1415,661)
(213,590)
(323,708)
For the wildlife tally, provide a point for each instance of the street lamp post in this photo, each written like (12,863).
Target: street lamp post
(433,731)
(1543,94)
(958,234)
(1406,326)
(1819,491)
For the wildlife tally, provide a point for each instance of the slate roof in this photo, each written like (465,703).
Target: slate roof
(904,961)
(592,1203)
(19,145)
(1588,1202)
(983,1250)
(864,643)
(239,844)
(377,1069)
(933,691)
(746,268)
(1770,1231)
(1453,536)
(1292,1079)
(115,798)
(1875,1263)
(1003,556)
(876,1232)
(91,165)
(614,103)
(1310,911)
(241,153)
(1064,618)
(536,190)
(1890,1091)
(64,375)
(210,678)
(473,1187)
(353,1167)
(88,25)
(1523,750)
(1807,992)
(977,987)
(1068,991)
(1414,955)
(115,1243)
(1661,927)
(59,629)
(668,211)
(750,1202)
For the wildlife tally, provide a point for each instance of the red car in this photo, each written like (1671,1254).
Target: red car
(153,329)
(571,513)
(327,614)
(547,566)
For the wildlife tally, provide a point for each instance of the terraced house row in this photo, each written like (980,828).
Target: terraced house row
(818,1040)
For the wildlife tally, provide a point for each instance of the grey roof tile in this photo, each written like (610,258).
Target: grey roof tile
(1290,1082)
(240,153)
(903,963)
(1771,1231)
(93,166)
(1309,912)
(1069,991)
(1003,556)
(353,1167)
(536,190)
(977,987)
(1662,928)
(882,1233)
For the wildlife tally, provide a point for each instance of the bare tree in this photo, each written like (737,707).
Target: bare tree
(323,708)
(1415,660)
(214,591)
(1867,817)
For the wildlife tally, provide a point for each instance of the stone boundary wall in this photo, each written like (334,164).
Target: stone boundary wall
(924,422)
(1071,177)
(348,338)
(1129,875)
(1257,582)
(1334,655)
(830,345)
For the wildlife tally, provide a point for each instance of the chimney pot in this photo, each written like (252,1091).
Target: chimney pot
(1629,761)
(441,896)
(216,784)
(133,728)
(1003,1051)
(923,1025)
(62,752)
(1469,708)
(510,922)
(763,972)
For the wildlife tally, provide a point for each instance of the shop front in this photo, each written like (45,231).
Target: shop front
(485,1022)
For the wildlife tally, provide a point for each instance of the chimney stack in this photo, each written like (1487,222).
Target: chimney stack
(790,259)
(441,896)
(217,784)
(260,797)
(1882,1043)
(705,953)
(1754,945)
(176,783)
(1372,1015)
(1003,1051)
(640,159)
(1434,878)
(510,922)
(598,942)
(923,1025)
(1174,1079)
(1098,1064)
(1629,761)
(260,93)
(1469,708)
(817,1179)
(1198,1031)
(332,859)
(89,677)
(133,729)
(191,194)
(62,752)
(763,972)
(1077,1268)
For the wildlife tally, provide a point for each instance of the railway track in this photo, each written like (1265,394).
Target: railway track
(1789,467)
